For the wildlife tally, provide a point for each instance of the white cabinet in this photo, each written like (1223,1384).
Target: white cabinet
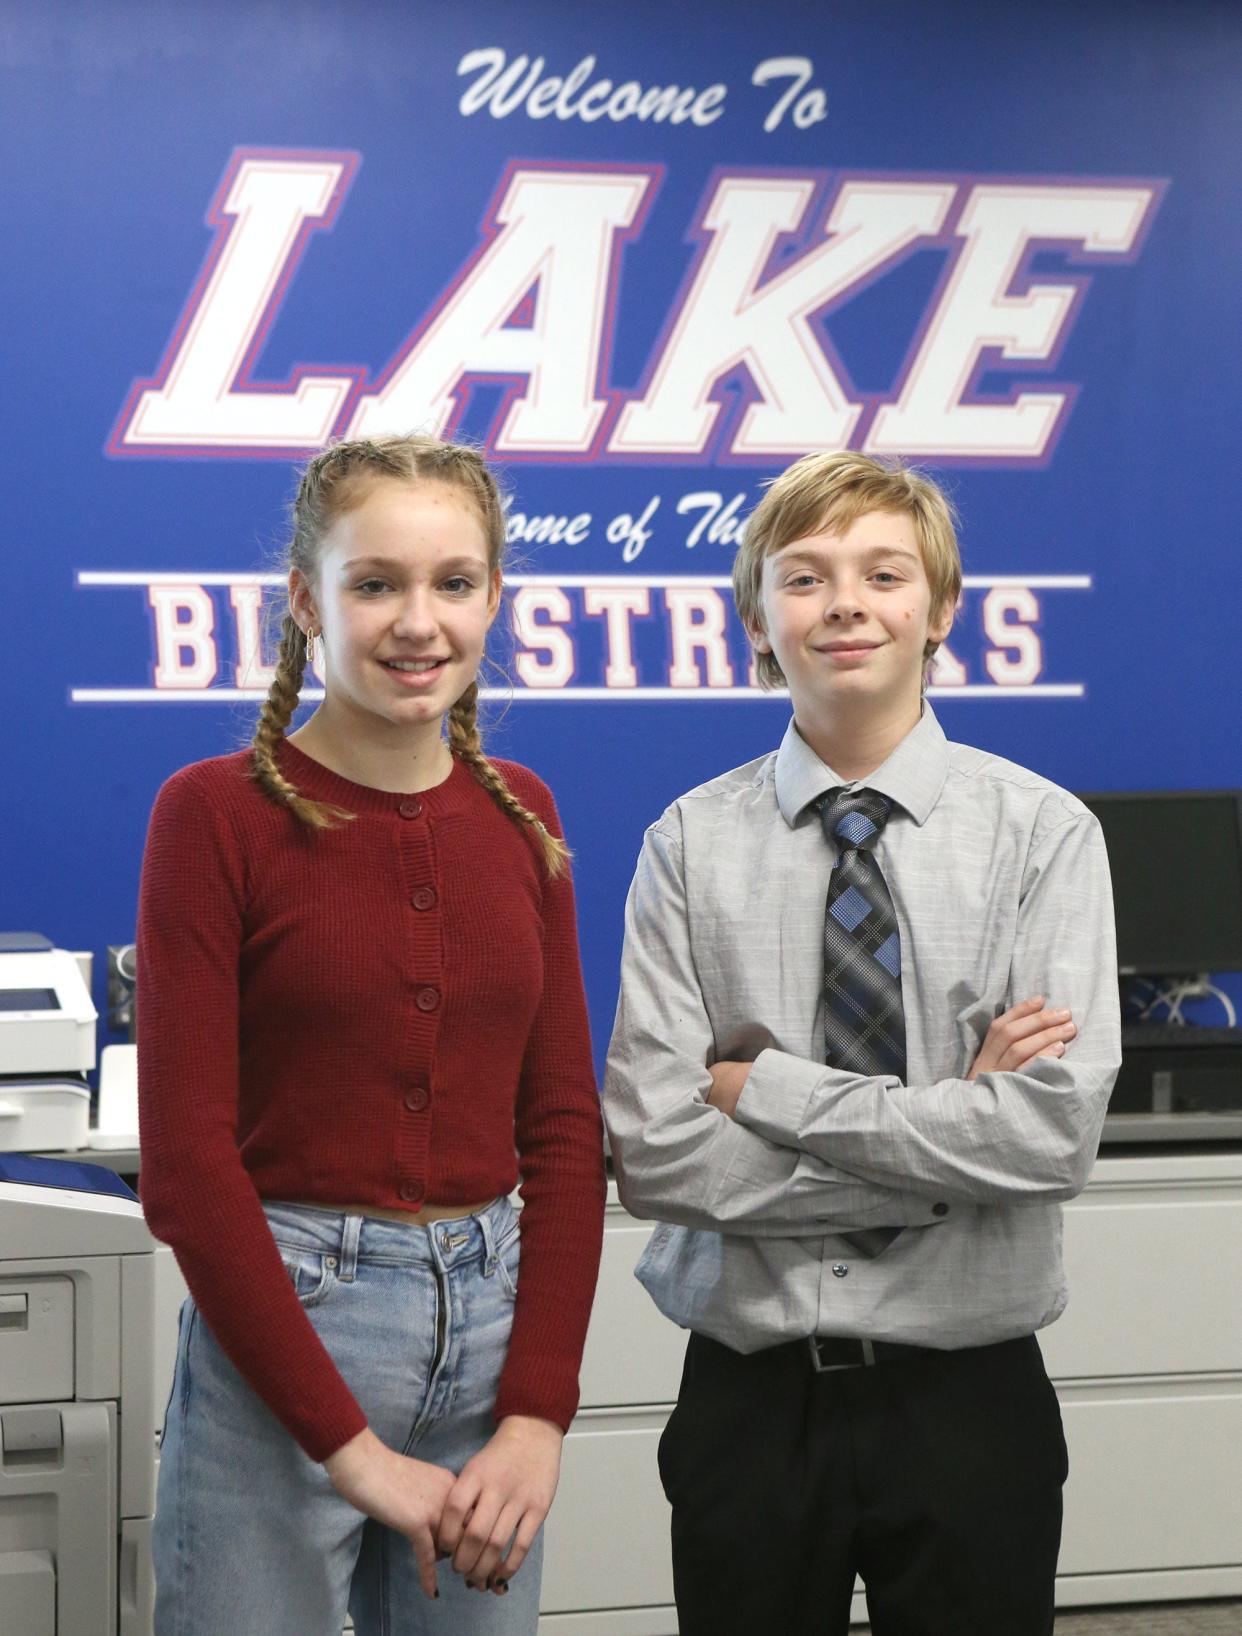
(609,1477)
(606,1550)
(1147,1362)
(1147,1359)
(1155,1484)
(1153,1255)
(633,1354)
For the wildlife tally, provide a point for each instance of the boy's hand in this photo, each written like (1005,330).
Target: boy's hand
(1022,1033)
(728,1078)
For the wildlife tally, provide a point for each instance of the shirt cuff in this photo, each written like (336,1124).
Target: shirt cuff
(774,1098)
(774,1104)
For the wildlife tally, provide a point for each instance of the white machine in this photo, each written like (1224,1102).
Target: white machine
(77,1410)
(47,1044)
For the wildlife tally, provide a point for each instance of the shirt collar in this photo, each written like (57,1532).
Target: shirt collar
(912,776)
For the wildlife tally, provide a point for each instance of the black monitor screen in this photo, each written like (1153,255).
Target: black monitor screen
(1176,861)
(28,999)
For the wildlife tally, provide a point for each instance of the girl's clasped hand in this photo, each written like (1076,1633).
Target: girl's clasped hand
(483,1521)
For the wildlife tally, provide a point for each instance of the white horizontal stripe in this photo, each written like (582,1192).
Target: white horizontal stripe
(144,577)
(1033,582)
(615,695)
(971,582)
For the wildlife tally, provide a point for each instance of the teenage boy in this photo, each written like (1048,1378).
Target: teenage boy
(867,1031)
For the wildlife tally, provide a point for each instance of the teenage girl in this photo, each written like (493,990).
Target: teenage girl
(362,1021)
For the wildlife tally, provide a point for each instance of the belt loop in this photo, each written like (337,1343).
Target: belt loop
(868,1352)
(488,1230)
(349,1249)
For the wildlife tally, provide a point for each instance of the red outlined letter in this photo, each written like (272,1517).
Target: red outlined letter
(988,307)
(554,229)
(697,619)
(727,318)
(185,619)
(619,604)
(1010,613)
(203,399)
(558,667)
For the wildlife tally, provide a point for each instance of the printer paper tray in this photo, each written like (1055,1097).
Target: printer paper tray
(49,1111)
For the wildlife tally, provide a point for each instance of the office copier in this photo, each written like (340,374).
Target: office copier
(77,1416)
(47,1046)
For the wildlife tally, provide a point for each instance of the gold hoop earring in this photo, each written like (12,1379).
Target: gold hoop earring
(310,646)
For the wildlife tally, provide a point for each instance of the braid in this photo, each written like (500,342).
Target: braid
(274,718)
(467,746)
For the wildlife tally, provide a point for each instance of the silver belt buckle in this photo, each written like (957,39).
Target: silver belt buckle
(822,1368)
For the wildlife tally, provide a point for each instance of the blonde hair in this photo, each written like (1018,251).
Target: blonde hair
(333,483)
(825,493)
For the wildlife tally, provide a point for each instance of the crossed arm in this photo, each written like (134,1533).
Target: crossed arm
(809,1149)
(1027,1030)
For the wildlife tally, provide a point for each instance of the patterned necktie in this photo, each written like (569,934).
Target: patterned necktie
(864,1024)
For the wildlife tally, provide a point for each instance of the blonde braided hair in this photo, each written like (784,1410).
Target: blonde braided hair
(332,483)
(274,718)
(467,745)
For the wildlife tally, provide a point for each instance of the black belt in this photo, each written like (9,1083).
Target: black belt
(829,1352)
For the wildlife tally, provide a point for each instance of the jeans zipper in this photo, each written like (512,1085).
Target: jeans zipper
(441,1322)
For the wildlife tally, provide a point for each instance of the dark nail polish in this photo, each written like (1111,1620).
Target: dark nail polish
(502,1587)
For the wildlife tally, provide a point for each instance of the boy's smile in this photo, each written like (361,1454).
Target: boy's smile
(848,616)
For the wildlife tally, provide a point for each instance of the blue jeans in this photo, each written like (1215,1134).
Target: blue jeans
(250,1537)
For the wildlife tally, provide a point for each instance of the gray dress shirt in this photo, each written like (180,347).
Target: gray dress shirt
(1001,887)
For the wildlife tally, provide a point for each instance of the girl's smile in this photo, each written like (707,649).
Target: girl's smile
(404,596)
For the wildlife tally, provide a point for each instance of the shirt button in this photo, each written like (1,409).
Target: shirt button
(417,1100)
(940,1209)
(427,999)
(410,1191)
(840,1270)
(410,809)
(424,898)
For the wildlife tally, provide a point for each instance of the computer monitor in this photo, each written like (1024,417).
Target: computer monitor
(1176,860)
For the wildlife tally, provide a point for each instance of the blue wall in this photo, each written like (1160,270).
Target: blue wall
(1074,168)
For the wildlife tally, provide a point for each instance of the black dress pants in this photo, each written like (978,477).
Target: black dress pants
(937,1478)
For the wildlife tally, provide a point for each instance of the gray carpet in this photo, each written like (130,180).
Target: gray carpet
(1154,1619)
(1148,1619)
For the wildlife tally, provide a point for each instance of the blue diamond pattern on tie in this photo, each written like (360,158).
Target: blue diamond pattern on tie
(855,828)
(889,955)
(849,909)
(864,1023)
